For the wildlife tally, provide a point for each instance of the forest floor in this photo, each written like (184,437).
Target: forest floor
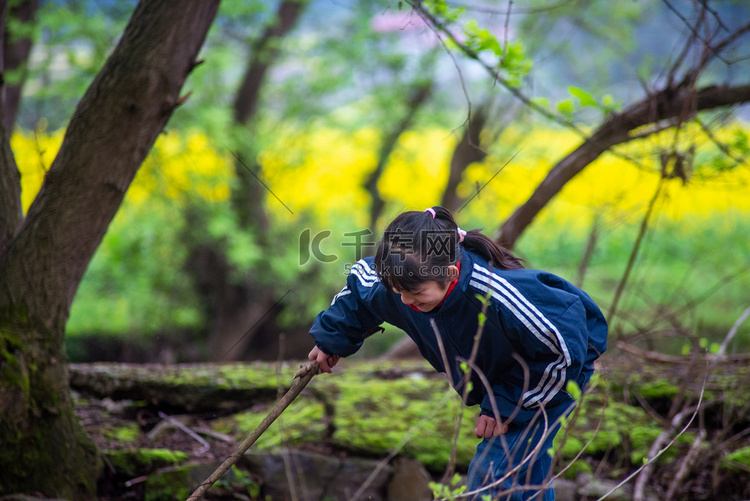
(152,418)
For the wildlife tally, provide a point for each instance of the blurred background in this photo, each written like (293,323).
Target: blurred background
(311,124)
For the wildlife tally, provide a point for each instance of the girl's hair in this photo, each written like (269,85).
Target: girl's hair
(420,246)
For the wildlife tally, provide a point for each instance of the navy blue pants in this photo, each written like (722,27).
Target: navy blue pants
(517,463)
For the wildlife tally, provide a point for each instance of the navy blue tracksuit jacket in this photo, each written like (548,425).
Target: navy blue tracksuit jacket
(541,332)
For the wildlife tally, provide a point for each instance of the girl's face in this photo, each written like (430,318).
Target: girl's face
(426,297)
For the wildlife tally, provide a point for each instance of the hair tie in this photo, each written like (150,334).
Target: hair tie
(431,211)
(461,234)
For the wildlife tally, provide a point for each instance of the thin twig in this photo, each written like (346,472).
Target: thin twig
(205,445)
(657,450)
(636,248)
(657,454)
(732,332)
(684,469)
(466,383)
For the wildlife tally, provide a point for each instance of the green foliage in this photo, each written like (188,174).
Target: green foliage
(135,284)
(443,11)
(661,388)
(237,480)
(73,39)
(508,56)
(603,426)
(452,491)
(738,460)
(168,486)
(573,390)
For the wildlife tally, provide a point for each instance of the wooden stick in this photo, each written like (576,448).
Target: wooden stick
(305,374)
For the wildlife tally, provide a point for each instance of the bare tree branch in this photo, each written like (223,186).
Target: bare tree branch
(679,101)
(667,104)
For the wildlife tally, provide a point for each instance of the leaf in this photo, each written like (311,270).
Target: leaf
(542,102)
(574,390)
(583,96)
(566,107)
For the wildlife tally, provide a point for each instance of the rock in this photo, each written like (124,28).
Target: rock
(594,488)
(409,482)
(303,475)
(181,481)
(565,490)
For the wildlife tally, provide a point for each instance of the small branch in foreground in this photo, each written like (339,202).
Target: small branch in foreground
(304,375)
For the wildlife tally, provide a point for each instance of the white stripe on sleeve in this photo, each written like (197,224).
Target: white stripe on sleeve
(553,377)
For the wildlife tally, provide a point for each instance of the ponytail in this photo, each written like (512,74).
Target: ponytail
(496,254)
(476,241)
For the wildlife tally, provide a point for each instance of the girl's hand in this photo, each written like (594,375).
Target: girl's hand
(488,427)
(325,361)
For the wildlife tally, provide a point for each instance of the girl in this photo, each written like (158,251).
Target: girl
(430,278)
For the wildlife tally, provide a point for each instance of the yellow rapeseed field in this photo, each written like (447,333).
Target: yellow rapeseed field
(321,174)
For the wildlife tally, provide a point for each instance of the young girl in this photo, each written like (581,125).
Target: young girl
(430,278)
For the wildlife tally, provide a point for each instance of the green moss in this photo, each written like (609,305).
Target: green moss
(661,388)
(375,415)
(168,486)
(238,481)
(180,482)
(567,446)
(137,462)
(43,444)
(641,438)
(125,434)
(14,373)
(738,460)
(230,376)
(604,425)
(573,470)
(369,414)
(303,420)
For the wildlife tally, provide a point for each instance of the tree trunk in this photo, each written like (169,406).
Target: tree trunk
(248,197)
(11,212)
(112,130)
(416,98)
(242,308)
(16,50)
(467,152)
(681,102)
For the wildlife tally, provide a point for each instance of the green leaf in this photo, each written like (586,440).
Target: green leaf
(583,97)
(566,107)
(543,102)
(574,390)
